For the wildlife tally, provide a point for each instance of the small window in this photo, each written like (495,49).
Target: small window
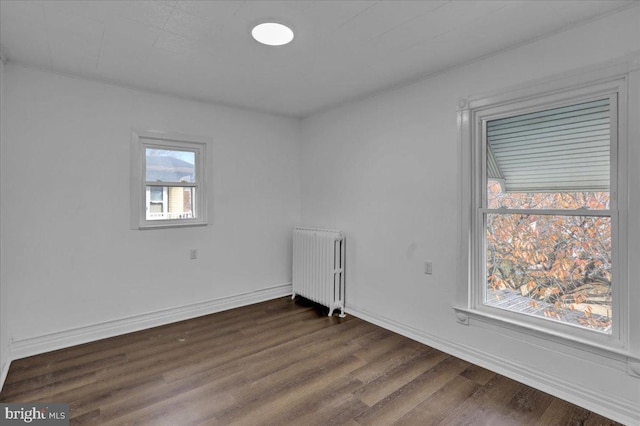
(168,180)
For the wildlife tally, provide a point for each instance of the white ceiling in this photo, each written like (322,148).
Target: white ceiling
(343,50)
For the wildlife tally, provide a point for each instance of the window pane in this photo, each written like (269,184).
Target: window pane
(175,202)
(497,198)
(557,267)
(563,153)
(163,165)
(156,194)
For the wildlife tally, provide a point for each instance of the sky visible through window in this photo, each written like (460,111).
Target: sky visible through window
(187,156)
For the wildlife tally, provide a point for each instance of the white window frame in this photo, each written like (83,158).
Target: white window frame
(621,79)
(143,139)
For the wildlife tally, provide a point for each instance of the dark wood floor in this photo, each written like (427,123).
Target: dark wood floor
(277,363)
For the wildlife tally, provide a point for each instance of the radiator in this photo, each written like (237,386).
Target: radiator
(318,267)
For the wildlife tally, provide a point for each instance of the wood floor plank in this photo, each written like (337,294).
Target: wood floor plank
(337,410)
(560,413)
(186,404)
(275,355)
(387,361)
(76,374)
(442,403)
(478,374)
(279,362)
(120,395)
(216,351)
(528,405)
(489,405)
(374,349)
(288,378)
(43,389)
(299,350)
(64,364)
(403,373)
(403,400)
(317,401)
(267,406)
(157,335)
(598,420)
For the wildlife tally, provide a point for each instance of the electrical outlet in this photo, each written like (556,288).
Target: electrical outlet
(428,268)
(193,254)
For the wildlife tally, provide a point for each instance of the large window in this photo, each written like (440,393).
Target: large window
(547,212)
(544,212)
(168,180)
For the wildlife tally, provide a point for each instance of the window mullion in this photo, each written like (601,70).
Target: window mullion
(549,212)
(174,184)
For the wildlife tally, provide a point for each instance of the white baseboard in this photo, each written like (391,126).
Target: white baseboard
(620,411)
(62,339)
(4,372)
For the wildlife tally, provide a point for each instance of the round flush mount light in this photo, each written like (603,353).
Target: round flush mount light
(272,34)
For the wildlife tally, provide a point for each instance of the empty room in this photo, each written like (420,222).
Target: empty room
(320,212)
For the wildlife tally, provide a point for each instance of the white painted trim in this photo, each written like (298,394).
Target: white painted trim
(200,145)
(62,339)
(500,322)
(621,411)
(588,76)
(4,372)
(473,112)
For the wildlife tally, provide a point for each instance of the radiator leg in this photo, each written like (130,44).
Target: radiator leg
(342,315)
(330,312)
(293,296)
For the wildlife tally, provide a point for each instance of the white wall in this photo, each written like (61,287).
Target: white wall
(69,258)
(4,332)
(384,170)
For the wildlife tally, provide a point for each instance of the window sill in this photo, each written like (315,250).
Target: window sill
(165,225)
(468,316)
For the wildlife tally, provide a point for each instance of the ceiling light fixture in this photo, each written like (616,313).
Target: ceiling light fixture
(272,34)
